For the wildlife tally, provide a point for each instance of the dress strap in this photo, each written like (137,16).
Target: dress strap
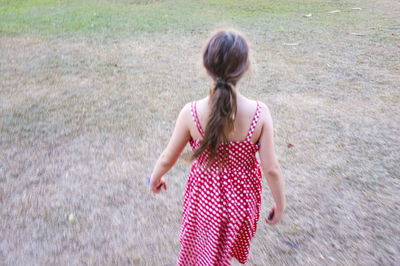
(254,122)
(195,117)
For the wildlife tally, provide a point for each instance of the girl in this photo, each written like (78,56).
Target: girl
(223,193)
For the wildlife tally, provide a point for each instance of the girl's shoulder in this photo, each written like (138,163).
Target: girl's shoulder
(255,102)
(264,112)
(201,102)
(264,109)
(192,108)
(252,104)
(198,104)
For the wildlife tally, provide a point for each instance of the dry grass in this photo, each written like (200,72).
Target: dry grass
(83,121)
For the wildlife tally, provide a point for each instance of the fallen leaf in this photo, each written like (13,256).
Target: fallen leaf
(290,243)
(71,217)
(290,43)
(290,145)
(357,34)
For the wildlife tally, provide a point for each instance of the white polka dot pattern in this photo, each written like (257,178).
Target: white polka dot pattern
(221,203)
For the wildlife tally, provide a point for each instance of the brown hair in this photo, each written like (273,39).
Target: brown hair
(226,60)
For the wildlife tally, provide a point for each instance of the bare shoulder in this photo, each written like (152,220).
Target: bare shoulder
(202,107)
(186,107)
(247,105)
(265,114)
(202,103)
(185,112)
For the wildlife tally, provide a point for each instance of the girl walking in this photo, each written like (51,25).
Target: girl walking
(222,199)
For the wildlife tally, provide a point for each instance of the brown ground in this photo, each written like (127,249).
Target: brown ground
(83,121)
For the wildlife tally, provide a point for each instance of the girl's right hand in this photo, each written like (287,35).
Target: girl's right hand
(157,188)
(274,216)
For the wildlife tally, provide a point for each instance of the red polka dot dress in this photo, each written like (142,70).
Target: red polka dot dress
(221,204)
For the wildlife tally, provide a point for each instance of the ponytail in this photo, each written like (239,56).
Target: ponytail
(225,59)
(221,120)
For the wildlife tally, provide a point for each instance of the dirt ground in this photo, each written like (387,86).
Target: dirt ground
(83,121)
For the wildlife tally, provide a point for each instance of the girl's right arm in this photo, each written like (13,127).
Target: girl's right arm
(170,155)
(270,166)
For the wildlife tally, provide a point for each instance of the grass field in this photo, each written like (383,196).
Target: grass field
(90,90)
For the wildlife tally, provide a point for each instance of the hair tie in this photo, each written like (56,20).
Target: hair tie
(221,83)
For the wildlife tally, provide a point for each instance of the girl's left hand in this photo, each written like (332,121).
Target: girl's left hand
(274,216)
(157,188)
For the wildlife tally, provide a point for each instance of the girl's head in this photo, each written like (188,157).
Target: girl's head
(226,59)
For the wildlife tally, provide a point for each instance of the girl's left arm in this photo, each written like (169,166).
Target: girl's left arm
(170,155)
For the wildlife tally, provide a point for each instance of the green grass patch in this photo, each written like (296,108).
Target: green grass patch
(124,17)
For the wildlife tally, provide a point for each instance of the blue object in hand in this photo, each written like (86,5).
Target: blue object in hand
(271,215)
(150,185)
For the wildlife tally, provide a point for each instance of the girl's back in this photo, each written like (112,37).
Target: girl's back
(246,109)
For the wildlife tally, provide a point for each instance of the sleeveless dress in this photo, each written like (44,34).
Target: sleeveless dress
(221,203)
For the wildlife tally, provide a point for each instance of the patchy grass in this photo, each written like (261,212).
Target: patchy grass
(85,111)
(126,18)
